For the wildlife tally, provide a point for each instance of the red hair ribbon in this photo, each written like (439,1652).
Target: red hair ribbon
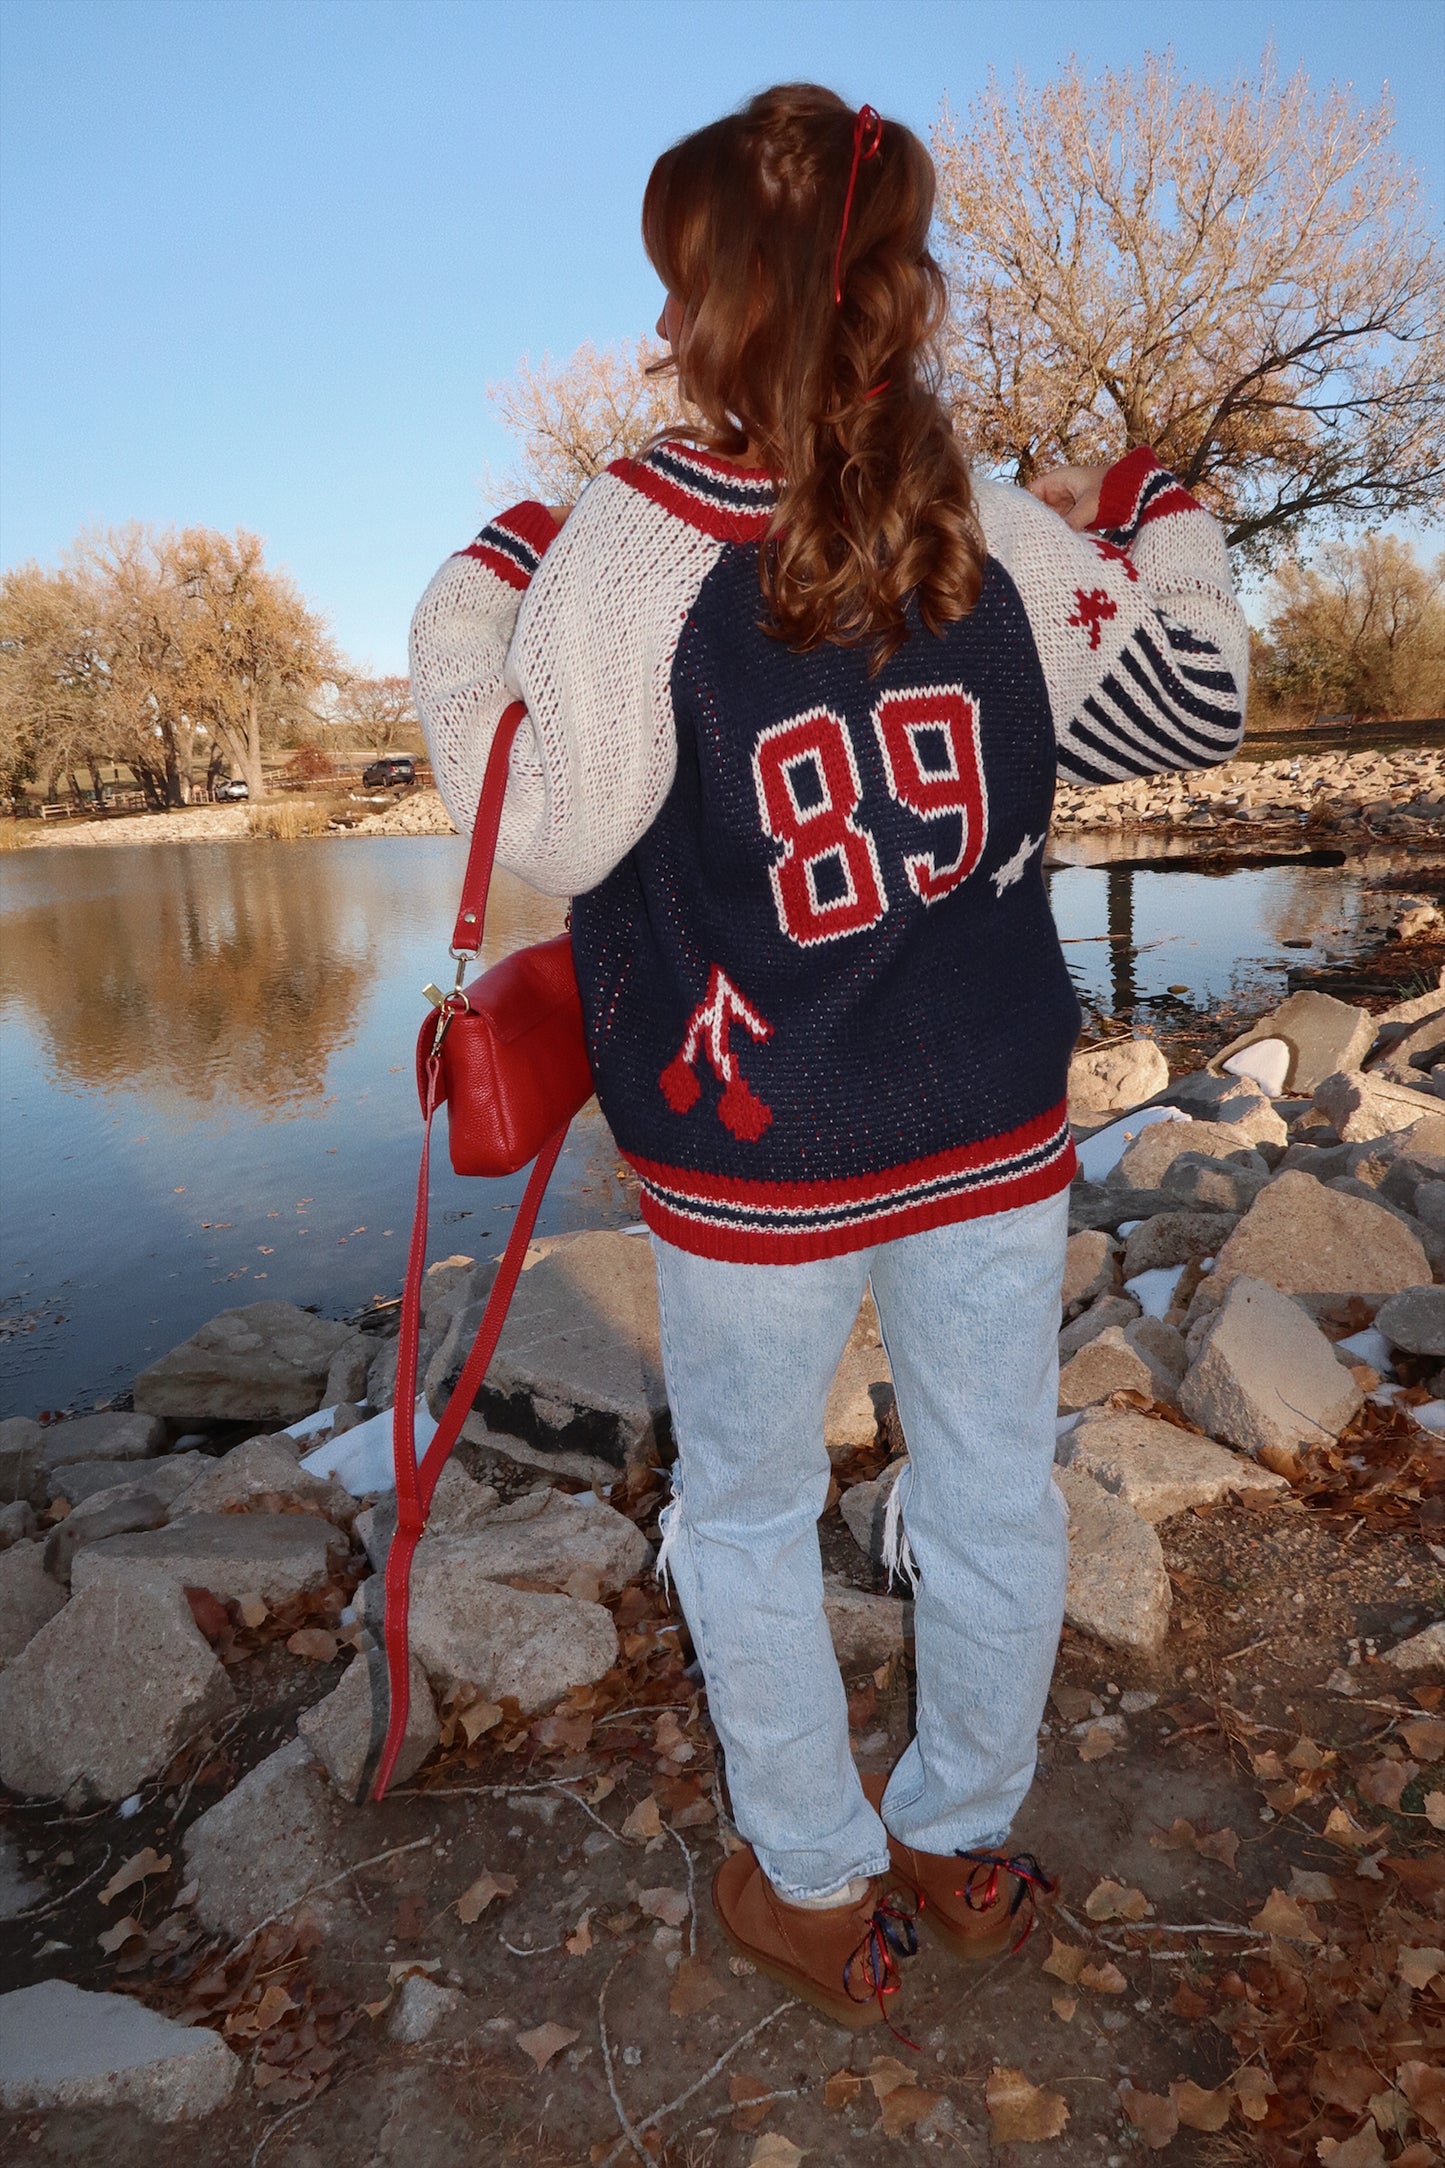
(867,142)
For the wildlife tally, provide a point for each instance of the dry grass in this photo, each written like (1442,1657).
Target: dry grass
(287,818)
(12,837)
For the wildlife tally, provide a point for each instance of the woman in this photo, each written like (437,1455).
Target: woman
(798,689)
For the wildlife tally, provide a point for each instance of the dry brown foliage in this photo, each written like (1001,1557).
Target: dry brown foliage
(570,419)
(1244,278)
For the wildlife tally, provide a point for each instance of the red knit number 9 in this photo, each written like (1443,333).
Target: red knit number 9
(827,882)
(939,725)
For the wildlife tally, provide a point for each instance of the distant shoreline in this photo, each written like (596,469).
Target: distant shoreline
(1355,801)
(420,814)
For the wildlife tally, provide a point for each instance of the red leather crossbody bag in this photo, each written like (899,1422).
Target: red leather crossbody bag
(506,1054)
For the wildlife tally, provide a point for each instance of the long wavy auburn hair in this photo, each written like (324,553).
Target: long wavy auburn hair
(840,401)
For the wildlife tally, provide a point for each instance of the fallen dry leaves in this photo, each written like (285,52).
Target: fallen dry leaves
(1111,1901)
(545,2041)
(773,2150)
(136,1869)
(1020,2112)
(478,1895)
(1155,2117)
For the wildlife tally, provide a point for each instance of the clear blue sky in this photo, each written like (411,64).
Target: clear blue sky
(262,258)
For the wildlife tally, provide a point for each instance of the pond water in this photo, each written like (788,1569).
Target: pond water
(206,1070)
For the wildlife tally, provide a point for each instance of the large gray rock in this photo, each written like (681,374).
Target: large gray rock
(862,1389)
(1156,1148)
(1322,1034)
(467,1628)
(579,1364)
(1320,1246)
(459,1506)
(864,1507)
(1265,1375)
(1103,1311)
(17,1523)
(107,1436)
(66,2047)
(866,1630)
(1214,1185)
(29,1598)
(105,1694)
(1237,1102)
(1175,1238)
(1405,1054)
(265,1363)
(1118,1588)
(1157,1468)
(1090,1268)
(275,1556)
(346,1373)
(1109,1364)
(22,1461)
(119,1511)
(1361,1106)
(1415,1320)
(263,1468)
(552,1537)
(268,1844)
(1422,1652)
(1111,1079)
(166,1476)
(445,1280)
(338,1728)
(381,1377)
(1093,1205)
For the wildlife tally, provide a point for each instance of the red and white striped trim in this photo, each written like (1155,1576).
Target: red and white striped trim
(514,543)
(730,503)
(1137,490)
(782,1223)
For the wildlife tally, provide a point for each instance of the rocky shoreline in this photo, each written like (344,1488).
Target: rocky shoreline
(1253,1307)
(1353,799)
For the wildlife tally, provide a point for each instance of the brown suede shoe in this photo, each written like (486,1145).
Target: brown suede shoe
(842,1960)
(979,1905)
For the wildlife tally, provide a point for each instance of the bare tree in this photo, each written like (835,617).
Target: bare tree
(256,654)
(571,420)
(378,711)
(51,676)
(1361,627)
(1245,280)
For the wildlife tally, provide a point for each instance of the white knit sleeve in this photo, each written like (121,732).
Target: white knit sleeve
(460,634)
(1144,649)
(592,657)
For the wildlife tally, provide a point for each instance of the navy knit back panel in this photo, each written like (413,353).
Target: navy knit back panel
(932,1025)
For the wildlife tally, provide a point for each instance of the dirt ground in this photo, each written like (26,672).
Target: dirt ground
(557,1874)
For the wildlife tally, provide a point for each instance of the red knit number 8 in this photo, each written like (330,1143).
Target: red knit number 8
(827,882)
(942,722)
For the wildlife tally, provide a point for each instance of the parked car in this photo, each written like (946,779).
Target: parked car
(229,789)
(394,770)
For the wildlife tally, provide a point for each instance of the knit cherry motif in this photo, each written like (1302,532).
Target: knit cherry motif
(709,1027)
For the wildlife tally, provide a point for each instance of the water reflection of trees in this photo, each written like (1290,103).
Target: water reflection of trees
(196,976)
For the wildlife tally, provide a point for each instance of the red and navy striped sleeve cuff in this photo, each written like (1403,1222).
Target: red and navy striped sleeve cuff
(514,543)
(1135,491)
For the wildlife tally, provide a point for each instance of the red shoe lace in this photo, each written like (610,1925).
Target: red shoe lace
(1028,1874)
(889,1935)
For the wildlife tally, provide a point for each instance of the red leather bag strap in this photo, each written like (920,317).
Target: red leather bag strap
(416,1482)
(471,916)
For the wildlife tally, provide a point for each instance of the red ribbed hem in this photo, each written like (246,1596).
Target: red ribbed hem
(775,1223)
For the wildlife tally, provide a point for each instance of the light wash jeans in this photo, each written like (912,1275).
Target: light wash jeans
(970,1320)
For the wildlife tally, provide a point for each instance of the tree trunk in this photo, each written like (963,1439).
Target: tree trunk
(95,779)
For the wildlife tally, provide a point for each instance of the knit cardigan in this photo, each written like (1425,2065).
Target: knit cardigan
(825,1001)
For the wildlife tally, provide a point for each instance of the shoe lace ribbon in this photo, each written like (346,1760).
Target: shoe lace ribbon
(984,1887)
(872,1969)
